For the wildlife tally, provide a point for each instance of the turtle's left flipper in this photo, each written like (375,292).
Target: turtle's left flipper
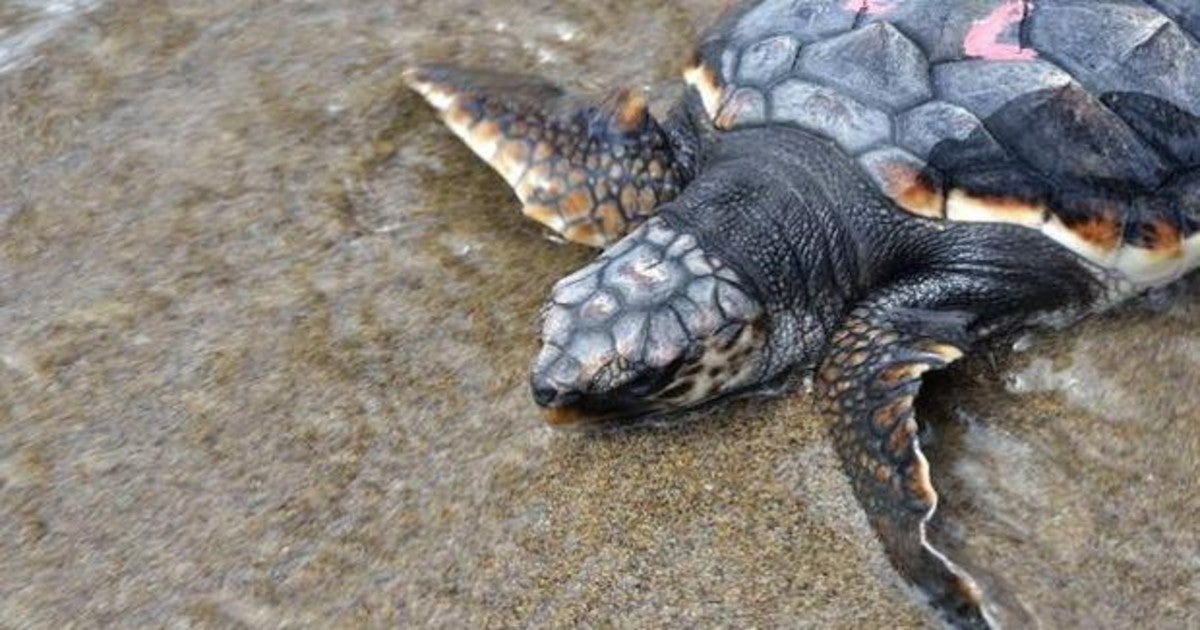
(869,382)
(588,170)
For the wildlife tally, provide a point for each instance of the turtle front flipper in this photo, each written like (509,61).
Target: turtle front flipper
(588,170)
(869,382)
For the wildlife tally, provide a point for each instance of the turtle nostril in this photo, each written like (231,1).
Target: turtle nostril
(544,394)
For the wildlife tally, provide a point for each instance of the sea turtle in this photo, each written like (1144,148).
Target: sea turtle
(858,189)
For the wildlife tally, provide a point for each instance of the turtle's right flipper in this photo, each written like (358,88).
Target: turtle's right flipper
(588,170)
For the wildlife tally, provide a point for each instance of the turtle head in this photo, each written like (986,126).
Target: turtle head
(654,325)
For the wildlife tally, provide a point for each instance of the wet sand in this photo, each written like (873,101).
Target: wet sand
(264,332)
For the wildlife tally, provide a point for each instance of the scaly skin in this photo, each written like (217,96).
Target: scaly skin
(589,171)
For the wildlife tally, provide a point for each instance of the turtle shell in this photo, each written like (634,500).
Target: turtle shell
(1079,118)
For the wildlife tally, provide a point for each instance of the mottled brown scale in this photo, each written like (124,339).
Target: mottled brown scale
(584,233)
(896,375)
(577,203)
(613,221)
(883,474)
(920,487)
(943,351)
(900,441)
(629,197)
(543,214)
(857,359)
(916,192)
(1165,238)
(542,151)
(831,373)
(706,82)
(632,112)
(887,416)
(646,200)
(487,130)
(512,159)
(729,115)
(1102,230)
(460,118)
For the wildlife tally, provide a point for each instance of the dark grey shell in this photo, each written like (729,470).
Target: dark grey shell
(1080,118)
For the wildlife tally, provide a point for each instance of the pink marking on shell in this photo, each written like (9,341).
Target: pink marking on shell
(871,7)
(983,40)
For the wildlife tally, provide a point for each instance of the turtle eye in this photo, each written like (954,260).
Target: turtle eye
(652,380)
(643,384)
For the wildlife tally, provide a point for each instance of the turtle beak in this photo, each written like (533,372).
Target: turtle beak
(563,409)
(572,418)
(563,417)
(557,407)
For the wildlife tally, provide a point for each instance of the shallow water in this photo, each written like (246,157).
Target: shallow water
(264,328)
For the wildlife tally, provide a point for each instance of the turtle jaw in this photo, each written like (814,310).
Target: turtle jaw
(653,326)
(569,418)
(585,403)
(583,417)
